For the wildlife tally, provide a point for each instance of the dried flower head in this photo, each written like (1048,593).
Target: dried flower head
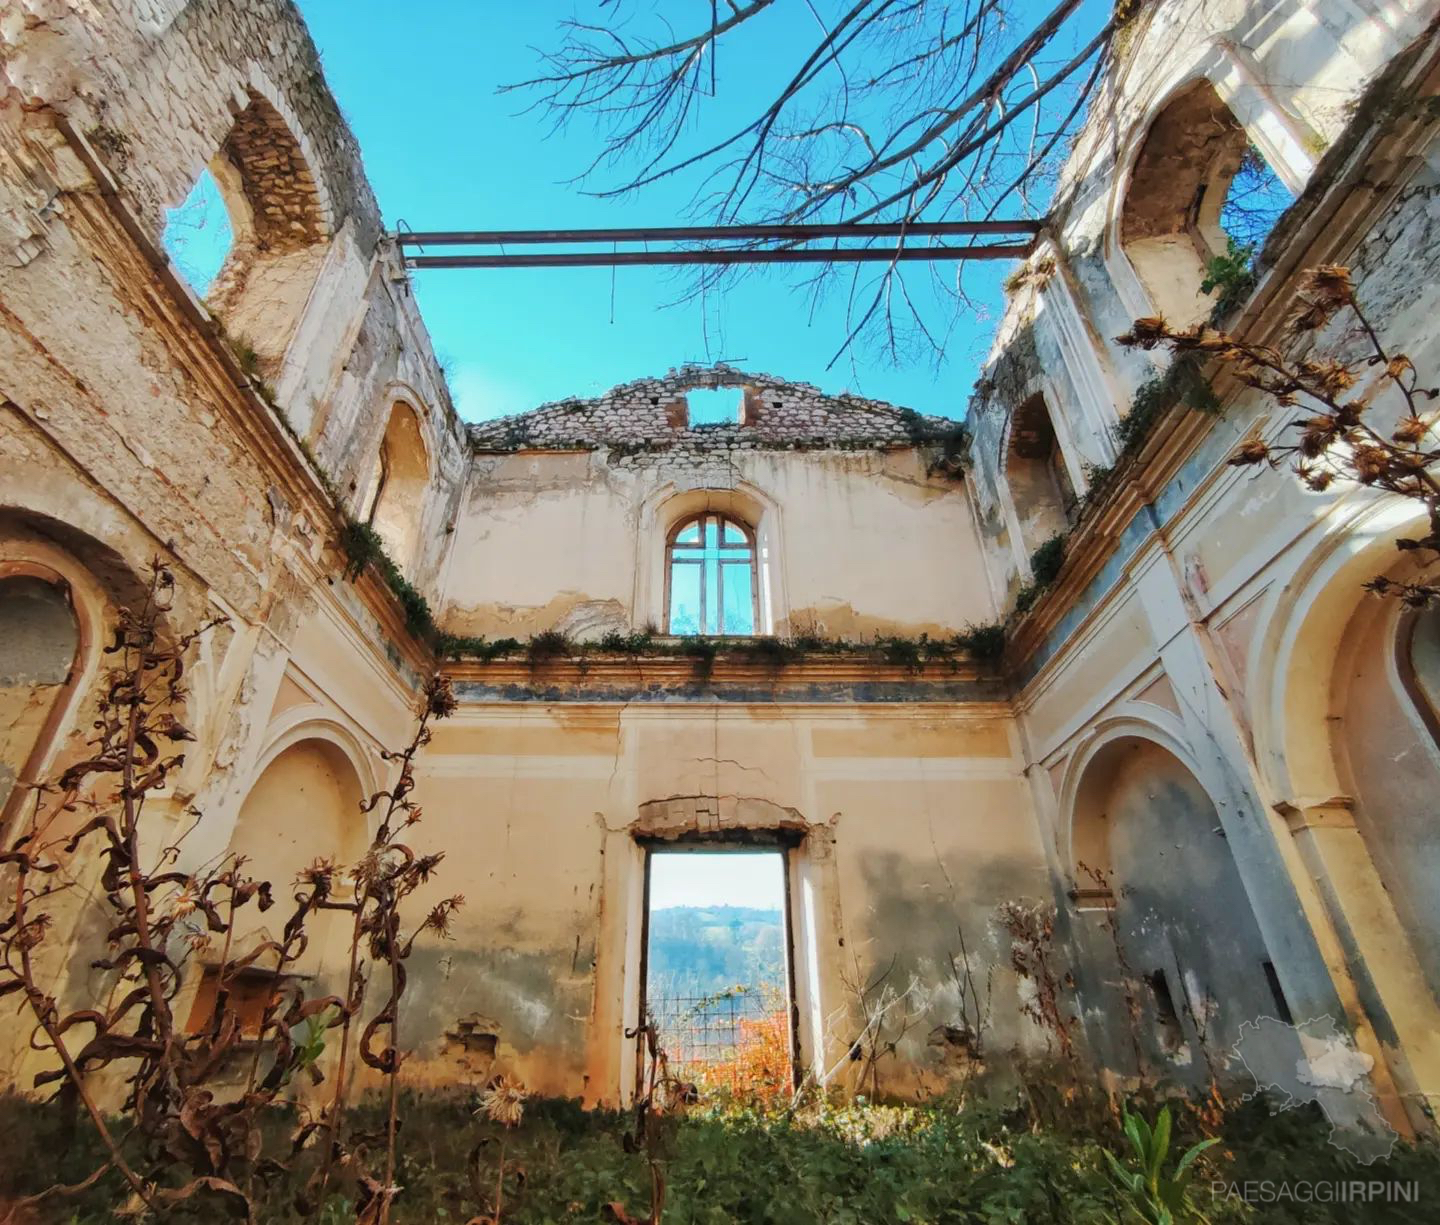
(186,899)
(1252,451)
(1370,464)
(1409,430)
(439,698)
(503,1101)
(1146,333)
(1330,283)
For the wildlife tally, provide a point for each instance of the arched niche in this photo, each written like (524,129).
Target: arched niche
(39,649)
(303,806)
(1382,722)
(1149,858)
(69,587)
(394,503)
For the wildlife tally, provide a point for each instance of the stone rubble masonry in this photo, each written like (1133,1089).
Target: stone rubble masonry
(650,414)
(157,85)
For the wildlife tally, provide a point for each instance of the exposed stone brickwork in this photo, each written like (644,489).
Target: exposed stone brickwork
(649,414)
(157,86)
(287,212)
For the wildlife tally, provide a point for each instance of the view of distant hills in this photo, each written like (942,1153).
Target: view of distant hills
(702,950)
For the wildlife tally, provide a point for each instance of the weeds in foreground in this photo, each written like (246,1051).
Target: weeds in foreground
(198,1097)
(830,1163)
(1159,1196)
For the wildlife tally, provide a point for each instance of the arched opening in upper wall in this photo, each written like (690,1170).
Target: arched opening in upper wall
(251,234)
(1035,472)
(394,503)
(1199,190)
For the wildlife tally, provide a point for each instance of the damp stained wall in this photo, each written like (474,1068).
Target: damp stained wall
(575,541)
(908,825)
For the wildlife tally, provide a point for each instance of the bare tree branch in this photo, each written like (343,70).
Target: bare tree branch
(894,110)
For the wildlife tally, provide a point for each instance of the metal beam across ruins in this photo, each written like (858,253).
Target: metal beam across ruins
(1025,231)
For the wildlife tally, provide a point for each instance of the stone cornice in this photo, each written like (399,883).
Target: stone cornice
(659,678)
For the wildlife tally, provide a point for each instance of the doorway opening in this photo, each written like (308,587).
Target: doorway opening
(717,969)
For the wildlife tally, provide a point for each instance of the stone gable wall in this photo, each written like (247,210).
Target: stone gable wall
(650,414)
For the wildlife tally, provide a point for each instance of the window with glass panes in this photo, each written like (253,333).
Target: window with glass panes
(712,577)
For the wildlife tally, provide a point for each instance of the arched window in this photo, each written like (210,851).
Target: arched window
(251,235)
(39,640)
(1199,189)
(396,498)
(712,585)
(1035,470)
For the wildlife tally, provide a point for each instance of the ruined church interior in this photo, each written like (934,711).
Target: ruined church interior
(1090,724)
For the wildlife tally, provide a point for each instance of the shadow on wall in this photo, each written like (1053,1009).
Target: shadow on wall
(934,955)
(471,1008)
(1191,957)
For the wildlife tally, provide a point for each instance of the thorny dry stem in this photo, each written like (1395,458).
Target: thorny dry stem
(1338,442)
(192,1127)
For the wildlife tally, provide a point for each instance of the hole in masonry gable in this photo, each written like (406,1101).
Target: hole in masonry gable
(715,405)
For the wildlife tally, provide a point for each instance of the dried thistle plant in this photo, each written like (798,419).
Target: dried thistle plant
(1337,440)
(503,1101)
(385,876)
(188,1129)
(1031,929)
(194,1097)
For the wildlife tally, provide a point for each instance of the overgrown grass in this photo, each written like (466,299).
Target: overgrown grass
(861,1164)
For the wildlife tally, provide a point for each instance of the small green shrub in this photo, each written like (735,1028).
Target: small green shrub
(1182,383)
(548,644)
(702,651)
(1155,1195)
(615,643)
(908,653)
(451,646)
(363,547)
(983,642)
(776,652)
(1047,559)
(1232,275)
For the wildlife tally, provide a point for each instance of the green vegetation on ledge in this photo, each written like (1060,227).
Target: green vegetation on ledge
(982,643)
(363,547)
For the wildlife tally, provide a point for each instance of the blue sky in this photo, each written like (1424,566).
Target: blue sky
(445,151)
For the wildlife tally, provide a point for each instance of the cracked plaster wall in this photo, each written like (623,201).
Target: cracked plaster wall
(120,437)
(123,434)
(576,541)
(911,822)
(1186,634)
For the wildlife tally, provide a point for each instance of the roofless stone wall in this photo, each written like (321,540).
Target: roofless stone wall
(651,414)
